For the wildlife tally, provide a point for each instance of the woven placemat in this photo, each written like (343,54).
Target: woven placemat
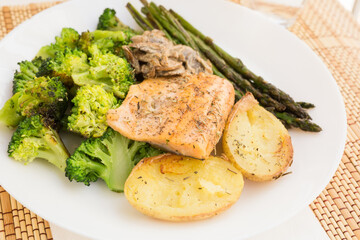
(335,36)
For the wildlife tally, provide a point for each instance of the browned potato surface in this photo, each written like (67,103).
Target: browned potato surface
(178,188)
(256,141)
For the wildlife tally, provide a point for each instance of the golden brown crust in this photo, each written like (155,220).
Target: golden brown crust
(244,104)
(288,152)
(240,146)
(197,190)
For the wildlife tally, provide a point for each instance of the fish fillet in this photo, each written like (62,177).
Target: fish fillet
(185,115)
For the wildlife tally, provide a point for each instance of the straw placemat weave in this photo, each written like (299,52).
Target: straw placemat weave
(335,36)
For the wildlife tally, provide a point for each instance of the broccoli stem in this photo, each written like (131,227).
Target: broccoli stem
(56,154)
(110,157)
(122,162)
(29,73)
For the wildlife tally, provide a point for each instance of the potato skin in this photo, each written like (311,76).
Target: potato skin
(256,141)
(178,188)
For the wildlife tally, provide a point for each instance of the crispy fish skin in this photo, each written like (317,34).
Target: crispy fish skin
(185,115)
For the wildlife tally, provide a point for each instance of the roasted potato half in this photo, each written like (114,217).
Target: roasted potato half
(178,188)
(256,141)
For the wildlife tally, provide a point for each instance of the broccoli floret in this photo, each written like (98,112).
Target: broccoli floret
(88,115)
(72,66)
(109,21)
(45,69)
(109,70)
(116,36)
(28,71)
(64,64)
(68,39)
(111,157)
(43,95)
(105,41)
(34,139)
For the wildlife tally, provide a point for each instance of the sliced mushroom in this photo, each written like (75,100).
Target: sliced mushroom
(153,55)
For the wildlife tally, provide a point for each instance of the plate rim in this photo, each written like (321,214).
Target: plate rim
(298,40)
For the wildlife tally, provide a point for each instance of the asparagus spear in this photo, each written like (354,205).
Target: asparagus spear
(293,121)
(217,61)
(143,23)
(188,26)
(217,72)
(155,12)
(288,119)
(177,25)
(187,38)
(264,99)
(306,105)
(239,67)
(155,23)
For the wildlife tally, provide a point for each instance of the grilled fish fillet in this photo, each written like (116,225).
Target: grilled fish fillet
(185,115)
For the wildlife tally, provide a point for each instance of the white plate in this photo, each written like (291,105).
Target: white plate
(268,49)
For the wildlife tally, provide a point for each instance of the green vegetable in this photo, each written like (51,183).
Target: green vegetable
(68,39)
(292,121)
(140,20)
(291,113)
(43,95)
(105,41)
(240,68)
(93,64)
(306,105)
(88,115)
(109,21)
(64,64)
(28,71)
(111,157)
(34,139)
(109,70)
(245,85)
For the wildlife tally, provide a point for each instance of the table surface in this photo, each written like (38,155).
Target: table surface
(348,4)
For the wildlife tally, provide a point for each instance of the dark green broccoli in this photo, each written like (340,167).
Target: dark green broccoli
(88,115)
(105,41)
(111,157)
(68,39)
(64,64)
(43,95)
(73,67)
(34,139)
(109,21)
(109,70)
(28,71)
